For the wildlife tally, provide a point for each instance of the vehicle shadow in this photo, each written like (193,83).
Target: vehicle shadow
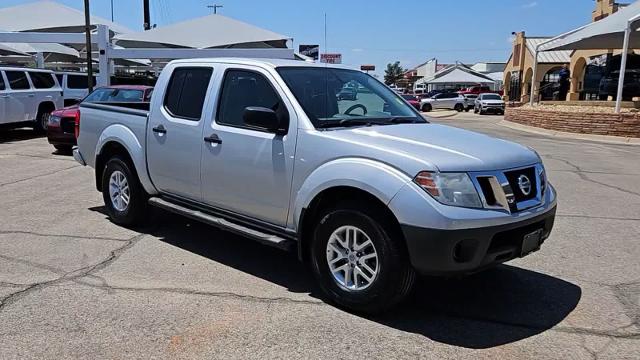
(10,135)
(495,307)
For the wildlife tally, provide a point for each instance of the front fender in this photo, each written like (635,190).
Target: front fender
(379,179)
(127,138)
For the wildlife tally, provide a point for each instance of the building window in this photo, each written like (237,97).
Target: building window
(516,55)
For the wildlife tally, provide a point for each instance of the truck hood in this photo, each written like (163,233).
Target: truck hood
(445,148)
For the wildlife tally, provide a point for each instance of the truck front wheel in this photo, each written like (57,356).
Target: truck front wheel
(358,263)
(124,197)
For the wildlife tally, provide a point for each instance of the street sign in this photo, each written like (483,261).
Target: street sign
(331,58)
(311,51)
(368,68)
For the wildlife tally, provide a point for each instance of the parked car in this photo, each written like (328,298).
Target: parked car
(262,148)
(412,100)
(631,86)
(469,101)
(63,123)
(348,93)
(489,103)
(27,97)
(477,90)
(451,101)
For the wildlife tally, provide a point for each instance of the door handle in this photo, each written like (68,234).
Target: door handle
(160,129)
(213,139)
(32,95)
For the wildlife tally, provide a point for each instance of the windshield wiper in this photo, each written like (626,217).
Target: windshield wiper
(352,122)
(405,120)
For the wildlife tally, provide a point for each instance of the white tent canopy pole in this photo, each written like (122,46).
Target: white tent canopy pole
(623,64)
(535,60)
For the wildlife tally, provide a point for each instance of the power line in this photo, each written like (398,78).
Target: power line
(215,7)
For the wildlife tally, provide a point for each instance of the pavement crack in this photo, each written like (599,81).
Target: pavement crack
(68,276)
(596,217)
(584,177)
(3,232)
(186,291)
(39,176)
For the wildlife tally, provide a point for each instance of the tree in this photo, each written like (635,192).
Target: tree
(393,73)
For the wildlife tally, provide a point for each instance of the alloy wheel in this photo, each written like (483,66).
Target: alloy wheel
(352,258)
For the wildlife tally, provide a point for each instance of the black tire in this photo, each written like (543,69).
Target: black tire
(137,206)
(63,148)
(458,108)
(475,110)
(42,119)
(481,112)
(426,108)
(395,277)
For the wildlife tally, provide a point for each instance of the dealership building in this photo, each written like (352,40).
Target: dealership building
(593,74)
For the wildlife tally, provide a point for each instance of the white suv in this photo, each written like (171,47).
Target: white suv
(28,96)
(453,101)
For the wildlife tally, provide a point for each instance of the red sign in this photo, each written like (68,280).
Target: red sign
(331,58)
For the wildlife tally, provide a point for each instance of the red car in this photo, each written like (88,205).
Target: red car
(63,123)
(412,100)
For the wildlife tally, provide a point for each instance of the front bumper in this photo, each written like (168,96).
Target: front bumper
(463,251)
(493,109)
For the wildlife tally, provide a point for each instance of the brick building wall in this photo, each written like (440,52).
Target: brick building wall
(627,125)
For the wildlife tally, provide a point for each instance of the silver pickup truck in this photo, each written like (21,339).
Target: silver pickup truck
(367,191)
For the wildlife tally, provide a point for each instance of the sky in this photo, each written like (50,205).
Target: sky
(375,31)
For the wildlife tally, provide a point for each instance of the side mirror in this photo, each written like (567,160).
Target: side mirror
(266,119)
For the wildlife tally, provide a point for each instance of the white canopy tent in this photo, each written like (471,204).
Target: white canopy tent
(50,16)
(207,32)
(457,74)
(619,30)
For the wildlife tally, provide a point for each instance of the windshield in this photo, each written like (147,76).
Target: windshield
(340,97)
(491,97)
(114,95)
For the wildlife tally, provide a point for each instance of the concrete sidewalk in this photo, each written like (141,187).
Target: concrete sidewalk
(568,135)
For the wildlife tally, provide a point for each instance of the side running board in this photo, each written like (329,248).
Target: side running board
(267,239)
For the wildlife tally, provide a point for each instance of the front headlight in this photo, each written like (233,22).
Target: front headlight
(455,189)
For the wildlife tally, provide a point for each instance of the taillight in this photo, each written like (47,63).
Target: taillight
(77,124)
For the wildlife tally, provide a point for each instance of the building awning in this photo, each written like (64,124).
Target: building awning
(212,31)
(607,33)
(50,16)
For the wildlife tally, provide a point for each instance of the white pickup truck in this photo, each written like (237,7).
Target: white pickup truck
(365,189)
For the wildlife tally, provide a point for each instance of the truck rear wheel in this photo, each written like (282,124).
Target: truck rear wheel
(426,108)
(358,263)
(458,107)
(124,197)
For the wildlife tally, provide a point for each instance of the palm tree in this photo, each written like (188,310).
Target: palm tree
(393,73)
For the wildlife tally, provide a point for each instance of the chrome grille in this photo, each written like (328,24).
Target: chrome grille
(507,191)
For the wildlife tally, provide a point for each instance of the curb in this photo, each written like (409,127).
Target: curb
(430,114)
(619,140)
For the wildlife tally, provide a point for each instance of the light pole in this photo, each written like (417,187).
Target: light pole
(87,30)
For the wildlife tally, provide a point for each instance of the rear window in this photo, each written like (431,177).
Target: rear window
(126,95)
(186,92)
(99,95)
(17,80)
(42,80)
(78,81)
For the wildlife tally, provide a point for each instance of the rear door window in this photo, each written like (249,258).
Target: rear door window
(60,77)
(187,91)
(78,81)
(2,86)
(18,80)
(42,80)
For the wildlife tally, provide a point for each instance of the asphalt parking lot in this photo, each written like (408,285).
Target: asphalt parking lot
(74,285)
